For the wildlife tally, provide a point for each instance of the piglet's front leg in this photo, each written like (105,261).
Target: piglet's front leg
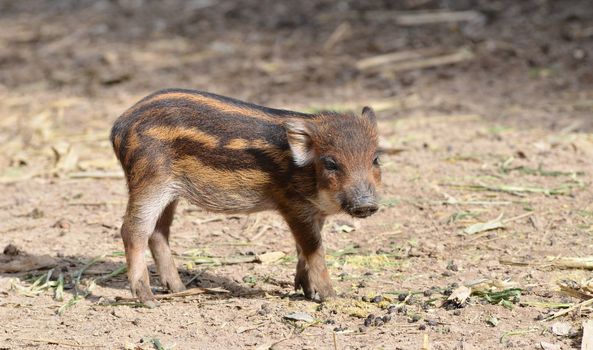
(311,275)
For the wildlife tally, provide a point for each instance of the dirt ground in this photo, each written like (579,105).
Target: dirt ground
(504,128)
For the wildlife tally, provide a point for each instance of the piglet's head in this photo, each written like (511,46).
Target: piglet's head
(343,150)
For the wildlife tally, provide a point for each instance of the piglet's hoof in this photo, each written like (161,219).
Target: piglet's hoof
(315,286)
(151,304)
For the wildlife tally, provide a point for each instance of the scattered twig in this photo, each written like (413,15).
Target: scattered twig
(574,263)
(517,332)
(61,342)
(499,222)
(185,293)
(425,342)
(373,62)
(429,62)
(570,309)
(424,17)
(339,34)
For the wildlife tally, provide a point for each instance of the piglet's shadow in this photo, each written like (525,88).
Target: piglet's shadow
(109,272)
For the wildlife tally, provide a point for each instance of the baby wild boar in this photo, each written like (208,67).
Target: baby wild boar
(229,156)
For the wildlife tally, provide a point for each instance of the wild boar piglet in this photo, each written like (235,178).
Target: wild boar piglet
(229,156)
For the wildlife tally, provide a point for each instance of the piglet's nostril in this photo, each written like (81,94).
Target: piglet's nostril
(364,210)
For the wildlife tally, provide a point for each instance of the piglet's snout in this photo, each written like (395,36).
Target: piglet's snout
(363,201)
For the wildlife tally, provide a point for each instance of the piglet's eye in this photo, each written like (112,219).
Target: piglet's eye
(330,164)
(376,161)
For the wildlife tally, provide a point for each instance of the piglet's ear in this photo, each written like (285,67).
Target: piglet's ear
(298,133)
(367,112)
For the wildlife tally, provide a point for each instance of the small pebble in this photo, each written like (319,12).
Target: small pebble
(452,266)
(414,318)
(368,322)
(386,318)
(264,310)
(392,309)
(427,293)
(378,322)
(402,297)
(377,299)
(422,327)
(457,312)
(365,298)
(432,323)
(63,224)
(402,310)
(11,250)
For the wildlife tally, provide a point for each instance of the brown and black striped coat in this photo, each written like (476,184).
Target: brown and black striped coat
(229,156)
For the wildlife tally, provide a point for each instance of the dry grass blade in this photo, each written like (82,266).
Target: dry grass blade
(192,291)
(558,262)
(460,55)
(515,190)
(185,293)
(62,343)
(570,309)
(120,270)
(517,332)
(59,291)
(499,222)
(39,286)
(424,17)
(578,290)
(268,258)
(370,63)
(574,263)
(485,226)
(340,33)
(425,342)
(78,275)
(73,301)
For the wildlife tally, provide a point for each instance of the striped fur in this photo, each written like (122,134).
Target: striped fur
(230,156)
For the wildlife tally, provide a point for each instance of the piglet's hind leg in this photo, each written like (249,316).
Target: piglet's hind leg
(139,223)
(161,252)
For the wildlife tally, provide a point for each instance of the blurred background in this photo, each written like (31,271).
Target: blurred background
(484,106)
(79,64)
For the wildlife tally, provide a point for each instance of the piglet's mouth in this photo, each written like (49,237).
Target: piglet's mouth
(362,211)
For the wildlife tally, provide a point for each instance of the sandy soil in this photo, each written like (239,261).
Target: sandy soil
(504,131)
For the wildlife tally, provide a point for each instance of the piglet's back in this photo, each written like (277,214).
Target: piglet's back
(195,134)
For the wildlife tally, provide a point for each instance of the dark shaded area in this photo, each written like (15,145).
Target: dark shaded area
(70,267)
(527,54)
